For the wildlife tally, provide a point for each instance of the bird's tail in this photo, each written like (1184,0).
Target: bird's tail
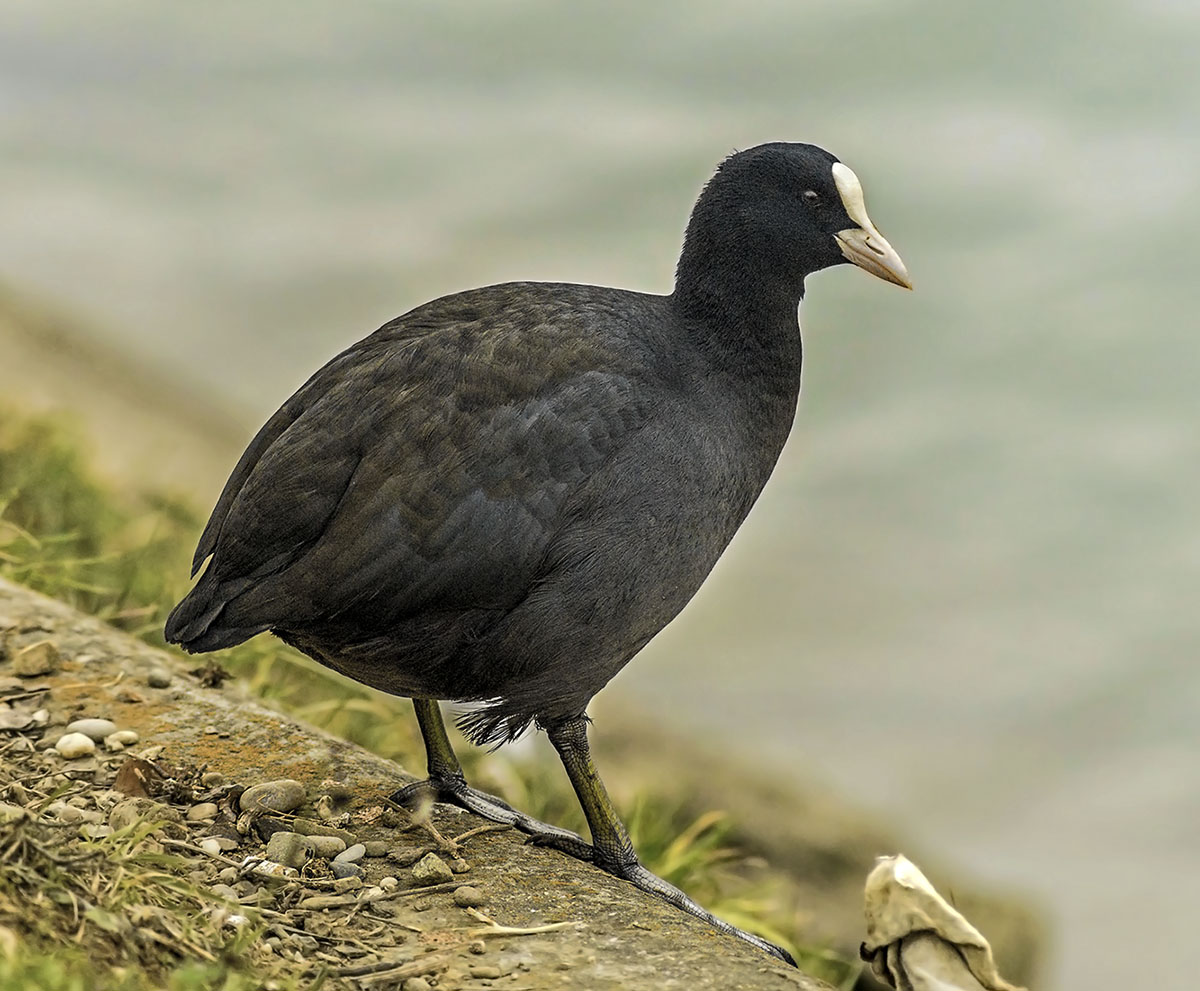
(195,624)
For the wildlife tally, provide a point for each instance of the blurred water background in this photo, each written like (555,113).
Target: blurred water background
(968,597)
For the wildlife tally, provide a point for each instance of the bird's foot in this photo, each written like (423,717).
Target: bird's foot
(456,791)
(624,864)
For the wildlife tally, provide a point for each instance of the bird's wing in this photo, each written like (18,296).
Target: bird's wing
(419,471)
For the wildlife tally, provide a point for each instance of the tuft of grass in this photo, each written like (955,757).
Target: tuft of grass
(118,913)
(125,557)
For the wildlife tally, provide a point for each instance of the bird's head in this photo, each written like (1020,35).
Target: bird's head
(779,212)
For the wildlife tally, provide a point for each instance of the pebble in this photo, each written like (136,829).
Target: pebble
(460,866)
(468,897)
(212,779)
(97,729)
(283,795)
(416,984)
(227,874)
(205,810)
(36,659)
(326,846)
(288,848)
(376,848)
(487,970)
(210,846)
(352,853)
(224,843)
(121,739)
(158,678)
(224,891)
(72,745)
(343,884)
(94,831)
(431,869)
(344,868)
(65,812)
(389,883)
(478,947)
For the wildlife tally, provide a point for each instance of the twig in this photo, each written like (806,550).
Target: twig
(397,969)
(495,929)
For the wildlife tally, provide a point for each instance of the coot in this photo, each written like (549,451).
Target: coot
(503,495)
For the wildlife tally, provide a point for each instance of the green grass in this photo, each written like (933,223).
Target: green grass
(125,557)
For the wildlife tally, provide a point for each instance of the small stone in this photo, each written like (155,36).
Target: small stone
(97,729)
(95,831)
(344,884)
(224,843)
(158,678)
(210,846)
(36,659)
(212,779)
(478,947)
(352,853)
(416,984)
(326,846)
(125,737)
(224,891)
(65,812)
(468,897)
(460,866)
(486,970)
(431,869)
(344,868)
(389,883)
(72,745)
(227,874)
(205,810)
(283,795)
(288,848)
(376,848)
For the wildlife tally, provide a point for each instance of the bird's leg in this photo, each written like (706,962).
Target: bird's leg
(447,783)
(611,847)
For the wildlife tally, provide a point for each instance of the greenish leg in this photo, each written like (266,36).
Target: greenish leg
(611,847)
(447,783)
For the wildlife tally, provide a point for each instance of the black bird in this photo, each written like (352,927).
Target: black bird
(503,495)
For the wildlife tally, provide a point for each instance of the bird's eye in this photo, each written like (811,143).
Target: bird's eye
(812,198)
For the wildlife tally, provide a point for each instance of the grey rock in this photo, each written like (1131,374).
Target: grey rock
(343,868)
(344,884)
(283,795)
(212,779)
(468,897)
(377,848)
(290,849)
(224,891)
(352,854)
(96,729)
(326,846)
(158,678)
(72,745)
(210,845)
(431,869)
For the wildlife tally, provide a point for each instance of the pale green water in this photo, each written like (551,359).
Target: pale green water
(968,597)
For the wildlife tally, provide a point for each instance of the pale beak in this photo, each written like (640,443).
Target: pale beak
(870,251)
